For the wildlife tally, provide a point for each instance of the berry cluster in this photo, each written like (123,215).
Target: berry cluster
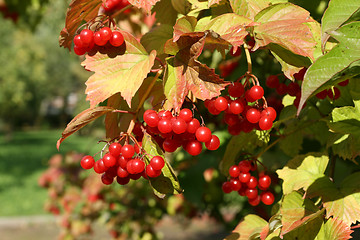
(247,185)
(179,130)
(240,115)
(111,5)
(121,163)
(87,39)
(333,93)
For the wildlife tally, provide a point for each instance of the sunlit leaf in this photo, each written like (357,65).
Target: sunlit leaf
(81,120)
(284,24)
(145,4)
(248,8)
(122,73)
(156,38)
(165,12)
(250,225)
(334,228)
(79,11)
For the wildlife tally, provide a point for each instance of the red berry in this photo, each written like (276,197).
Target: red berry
(105,33)
(123,181)
(235,129)
(213,144)
(179,126)
(248,97)
(109,160)
(127,151)
(251,193)
(117,39)
(234,171)
(342,84)
(244,177)
(122,162)
(272,81)
(98,40)
(212,109)
(245,166)
(87,37)
(87,162)
(121,172)
(265,123)
(79,51)
(99,166)
(253,115)
(165,114)
(236,89)
(269,112)
(203,134)
(226,187)
(237,106)
(151,119)
(264,181)
(334,93)
(221,104)
(322,95)
(255,201)
(252,183)
(235,184)
(186,114)
(170,145)
(193,147)
(165,125)
(77,42)
(193,125)
(115,149)
(137,166)
(300,75)
(281,89)
(107,180)
(150,172)
(256,92)
(293,89)
(231,119)
(267,198)
(157,163)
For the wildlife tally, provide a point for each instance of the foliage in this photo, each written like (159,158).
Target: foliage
(189,56)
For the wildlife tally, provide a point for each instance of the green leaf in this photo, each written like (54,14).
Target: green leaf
(184,25)
(341,202)
(181,6)
(248,8)
(306,231)
(324,70)
(250,225)
(156,38)
(292,144)
(81,120)
(345,146)
(334,229)
(302,171)
(337,13)
(244,142)
(346,119)
(284,24)
(123,72)
(167,182)
(165,12)
(296,212)
(77,12)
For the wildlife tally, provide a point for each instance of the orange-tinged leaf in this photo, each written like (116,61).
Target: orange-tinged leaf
(248,8)
(212,2)
(145,4)
(250,225)
(334,228)
(184,25)
(284,24)
(77,12)
(123,73)
(81,120)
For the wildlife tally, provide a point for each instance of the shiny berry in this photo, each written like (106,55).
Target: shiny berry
(87,162)
(203,134)
(213,144)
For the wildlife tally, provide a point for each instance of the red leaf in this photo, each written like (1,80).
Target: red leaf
(123,73)
(284,24)
(77,12)
(81,120)
(145,4)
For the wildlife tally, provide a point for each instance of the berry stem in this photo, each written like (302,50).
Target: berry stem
(121,11)
(248,58)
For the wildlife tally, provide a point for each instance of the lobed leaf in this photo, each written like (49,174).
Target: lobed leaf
(284,24)
(250,225)
(346,119)
(302,171)
(79,11)
(145,4)
(184,25)
(334,228)
(81,120)
(156,38)
(323,72)
(248,8)
(122,73)
(167,182)
(165,12)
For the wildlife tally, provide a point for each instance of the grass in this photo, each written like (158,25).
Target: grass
(22,161)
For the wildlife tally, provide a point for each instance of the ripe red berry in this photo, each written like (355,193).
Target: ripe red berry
(193,125)
(98,40)
(87,37)
(244,177)
(123,181)
(106,33)
(115,149)
(265,123)
(157,163)
(213,144)
(151,119)
(235,184)
(87,162)
(248,97)
(117,39)
(235,129)
(203,134)
(212,109)
(252,183)
(165,114)
(106,179)
(150,172)
(334,93)
(256,92)
(245,166)
(165,125)
(236,89)
(79,51)
(267,198)
(127,151)
(179,125)
(264,181)
(221,104)
(293,89)
(226,187)
(281,89)
(269,112)
(121,172)
(234,171)
(137,165)
(99,166)
(237,106)
(109,160)
(255,201)
(251,193)
(77,42)
(342,84)
(122,162)
(170,145)
(322,95)
(253,115)
(272,81)
(193,147)
(231,119)
(186,114)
